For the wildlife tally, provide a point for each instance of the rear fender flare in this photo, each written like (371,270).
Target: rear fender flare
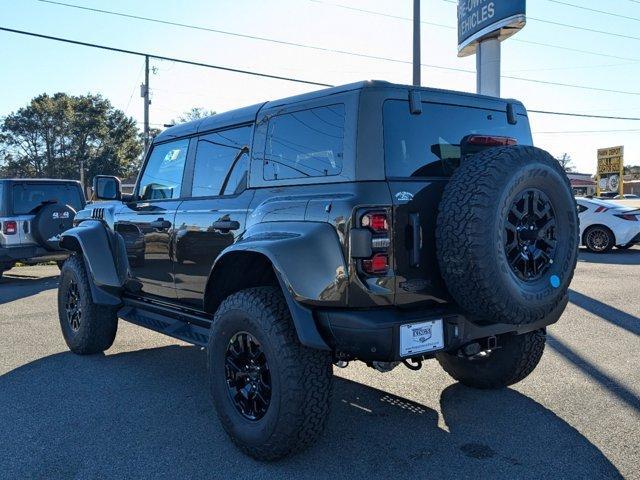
(308,263)
(306,256)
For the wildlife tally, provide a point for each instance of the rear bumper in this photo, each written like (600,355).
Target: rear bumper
(374,335)
(31,253)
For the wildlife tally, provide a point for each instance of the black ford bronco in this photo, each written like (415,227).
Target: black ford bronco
(373,222)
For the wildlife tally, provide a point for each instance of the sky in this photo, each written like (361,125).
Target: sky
(31,66)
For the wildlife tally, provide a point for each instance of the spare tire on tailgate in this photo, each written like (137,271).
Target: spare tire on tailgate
(507,235)
(49,222)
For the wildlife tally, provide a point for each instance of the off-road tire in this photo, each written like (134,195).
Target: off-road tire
(60,264)
(471,235)
(98,324)
(301,377)
(516,357)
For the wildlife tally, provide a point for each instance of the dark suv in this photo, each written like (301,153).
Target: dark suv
(33,213)
(372,222)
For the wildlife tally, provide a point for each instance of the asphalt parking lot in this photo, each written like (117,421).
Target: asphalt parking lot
(143,409)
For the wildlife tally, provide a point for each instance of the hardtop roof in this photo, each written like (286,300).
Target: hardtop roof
(39,180)
(249,114)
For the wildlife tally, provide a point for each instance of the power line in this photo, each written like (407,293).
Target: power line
(250,37)
(575,27)
(570,85)
(342,52)
(247,72)
(550,69)
(585,29)
(585,131)
(583,115)
(380,14)
(604,12)
(451,27)
(162,57)
(135,87)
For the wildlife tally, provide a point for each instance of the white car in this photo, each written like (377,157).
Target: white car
(605,224)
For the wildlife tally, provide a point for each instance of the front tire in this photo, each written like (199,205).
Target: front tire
(599,239)
(87,328)
(516,357)
(255,358)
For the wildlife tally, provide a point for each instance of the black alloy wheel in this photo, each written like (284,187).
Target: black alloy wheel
(247,376)
(73,306)
(530,240)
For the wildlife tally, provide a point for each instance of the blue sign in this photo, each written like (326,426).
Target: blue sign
(480,18)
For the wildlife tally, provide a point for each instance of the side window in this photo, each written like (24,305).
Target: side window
(308,143)
(582,208)
(237,181)
(162,176)
(215,155)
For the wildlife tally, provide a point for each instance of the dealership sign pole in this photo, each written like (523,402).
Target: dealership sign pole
(482,25)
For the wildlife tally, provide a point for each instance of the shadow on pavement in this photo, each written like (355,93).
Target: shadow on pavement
(614,257)
(615,387)
(14,286)
(147,414)
(606,312)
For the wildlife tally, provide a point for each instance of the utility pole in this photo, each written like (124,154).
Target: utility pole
(144,93)
(416,43)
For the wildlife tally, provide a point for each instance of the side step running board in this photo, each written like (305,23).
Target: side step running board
(184,326)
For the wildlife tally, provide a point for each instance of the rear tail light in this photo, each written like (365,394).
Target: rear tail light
(378,223)
(490,141)
(627,216)
(10,227)
(376,265)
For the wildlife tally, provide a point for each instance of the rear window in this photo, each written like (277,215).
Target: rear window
(28,196)
(428,145)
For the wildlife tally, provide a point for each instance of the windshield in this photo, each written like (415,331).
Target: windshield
(28,196)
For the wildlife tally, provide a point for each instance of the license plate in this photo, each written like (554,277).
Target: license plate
(417,338)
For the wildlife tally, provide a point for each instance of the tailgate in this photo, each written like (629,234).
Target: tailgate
(423,148)
(415,210)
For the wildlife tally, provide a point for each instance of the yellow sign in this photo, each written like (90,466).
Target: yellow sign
(610,170)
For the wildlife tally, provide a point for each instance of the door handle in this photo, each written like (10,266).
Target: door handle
(161,224)
(226,225)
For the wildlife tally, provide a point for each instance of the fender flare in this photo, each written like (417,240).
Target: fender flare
(308,263)
(104,256)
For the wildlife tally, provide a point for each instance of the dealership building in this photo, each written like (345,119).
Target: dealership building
(582,184)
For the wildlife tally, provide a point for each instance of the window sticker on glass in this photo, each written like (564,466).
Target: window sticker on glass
(172,155)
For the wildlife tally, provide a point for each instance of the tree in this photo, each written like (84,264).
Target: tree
(565,162)
(53,135)
(633,171)
(195,113)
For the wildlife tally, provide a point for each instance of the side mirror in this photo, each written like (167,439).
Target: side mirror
(106,187)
